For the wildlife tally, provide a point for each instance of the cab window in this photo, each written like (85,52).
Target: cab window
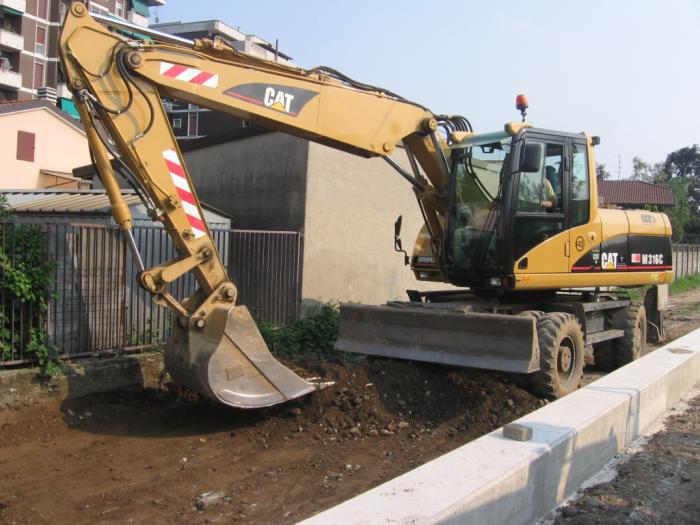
(580,197)
(541,192)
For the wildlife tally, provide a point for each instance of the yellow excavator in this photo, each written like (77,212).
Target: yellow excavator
(510,217)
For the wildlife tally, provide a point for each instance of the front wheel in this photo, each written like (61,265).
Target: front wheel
(561,356)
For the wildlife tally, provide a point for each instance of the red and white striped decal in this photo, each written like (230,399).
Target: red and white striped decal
(189,204)
(189,74)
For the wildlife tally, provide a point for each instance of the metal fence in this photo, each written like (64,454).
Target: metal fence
(686,260)
(95,305)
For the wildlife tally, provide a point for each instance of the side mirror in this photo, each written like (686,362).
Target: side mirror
(397,240)
(531,159)
(397,227)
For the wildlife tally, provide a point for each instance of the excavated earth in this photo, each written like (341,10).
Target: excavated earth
(155,456)
(148,455)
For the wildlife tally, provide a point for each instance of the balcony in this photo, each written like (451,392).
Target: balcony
(62,91)
(9,40)
(16,6)
(10,79)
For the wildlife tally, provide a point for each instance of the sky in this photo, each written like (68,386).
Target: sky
(626,70)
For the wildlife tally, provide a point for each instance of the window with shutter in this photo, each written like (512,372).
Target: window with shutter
(25,146)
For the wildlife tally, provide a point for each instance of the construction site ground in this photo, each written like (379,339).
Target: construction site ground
(155,456)
(657,482)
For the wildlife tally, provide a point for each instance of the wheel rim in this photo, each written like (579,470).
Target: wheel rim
(566,358)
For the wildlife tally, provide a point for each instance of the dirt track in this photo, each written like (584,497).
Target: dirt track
(657,484)
(145,456)
(660,482)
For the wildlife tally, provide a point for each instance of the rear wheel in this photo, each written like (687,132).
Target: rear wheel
(561,355)
(604,356)
(633,320)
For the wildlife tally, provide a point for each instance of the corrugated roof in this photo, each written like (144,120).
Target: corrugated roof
(63,201)
(634,193)
(92,201)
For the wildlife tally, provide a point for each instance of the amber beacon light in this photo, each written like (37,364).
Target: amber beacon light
(521,105)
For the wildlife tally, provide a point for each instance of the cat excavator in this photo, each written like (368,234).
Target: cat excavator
(511,218)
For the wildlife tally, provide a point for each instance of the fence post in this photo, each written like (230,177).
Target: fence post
(674,261)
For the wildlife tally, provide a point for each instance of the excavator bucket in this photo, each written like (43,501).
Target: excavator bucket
(228,361)
(440,335)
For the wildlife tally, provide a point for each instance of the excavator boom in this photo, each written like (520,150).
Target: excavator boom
(118,80)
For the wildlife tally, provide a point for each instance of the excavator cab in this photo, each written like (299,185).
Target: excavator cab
(513,201)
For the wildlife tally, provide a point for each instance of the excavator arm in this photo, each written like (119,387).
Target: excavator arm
(118,82)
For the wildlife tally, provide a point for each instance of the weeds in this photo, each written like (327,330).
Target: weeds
(313,336)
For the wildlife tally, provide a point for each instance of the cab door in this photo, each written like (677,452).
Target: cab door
(540,240)
(586,230)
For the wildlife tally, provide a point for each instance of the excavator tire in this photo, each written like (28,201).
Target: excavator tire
(603,356)
(633,320)
(536,314)
(561,355)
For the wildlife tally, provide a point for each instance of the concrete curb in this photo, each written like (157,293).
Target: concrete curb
(21,387)
(495,480)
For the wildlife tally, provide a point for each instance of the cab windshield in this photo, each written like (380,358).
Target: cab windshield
(477,171)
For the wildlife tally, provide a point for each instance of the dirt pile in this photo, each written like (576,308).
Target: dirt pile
(148,455)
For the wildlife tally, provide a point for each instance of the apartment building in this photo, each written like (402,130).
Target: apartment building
(29,32)
(189,121)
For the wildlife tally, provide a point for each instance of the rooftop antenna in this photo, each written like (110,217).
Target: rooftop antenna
(619,167)
(157,19)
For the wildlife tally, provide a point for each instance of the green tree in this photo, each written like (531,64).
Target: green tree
(684,164)
(679,213)
(640,169)
(645,172)
(601,172)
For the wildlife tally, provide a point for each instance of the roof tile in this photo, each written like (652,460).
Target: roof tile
(633,192)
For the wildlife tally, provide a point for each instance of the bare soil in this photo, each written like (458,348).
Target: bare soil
(661,482)
(148,455)
(658,484)
(684,314)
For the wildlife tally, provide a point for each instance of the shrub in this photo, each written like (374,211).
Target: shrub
(313,336)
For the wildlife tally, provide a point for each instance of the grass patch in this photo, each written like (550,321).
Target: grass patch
(684,284)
